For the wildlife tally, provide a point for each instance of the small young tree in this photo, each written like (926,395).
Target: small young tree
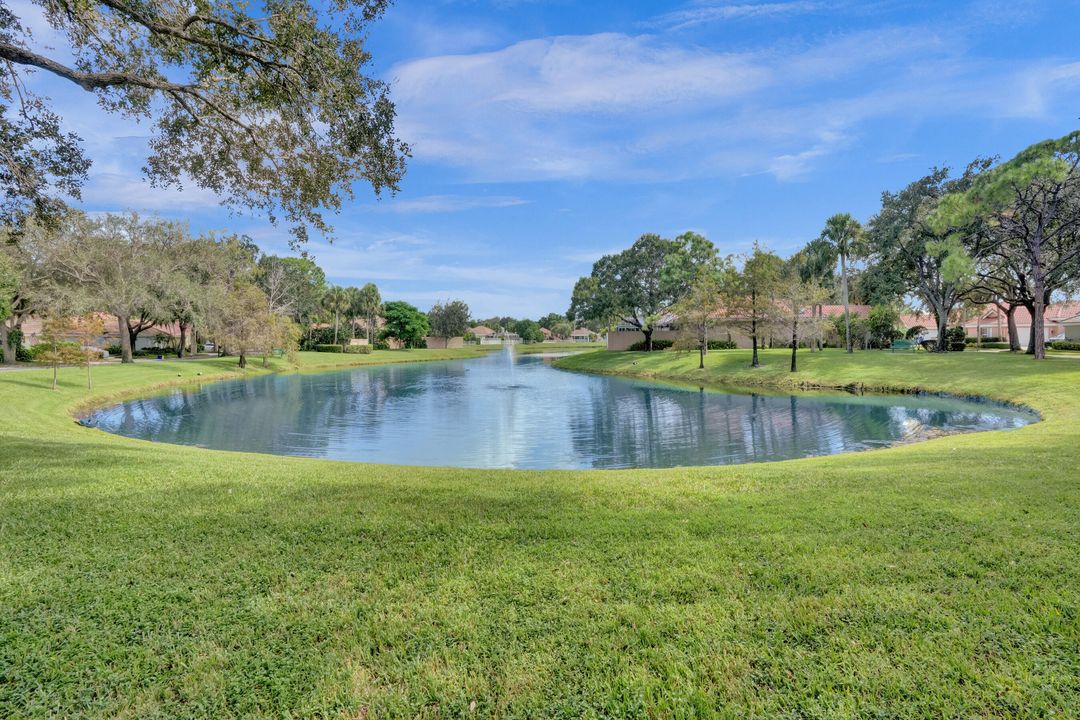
(243,321)
(55,331)
(697,314)
(86,329)
(796,299)
(748,296)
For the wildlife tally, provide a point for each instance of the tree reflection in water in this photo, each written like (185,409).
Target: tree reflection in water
(521,412)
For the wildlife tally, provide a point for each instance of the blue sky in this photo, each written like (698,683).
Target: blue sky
(546,134)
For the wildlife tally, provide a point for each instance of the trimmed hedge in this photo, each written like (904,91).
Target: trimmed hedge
(957,346)
(985,340)
(328,348)
(722,345)
(358,349)
(656,345)
(1066,345)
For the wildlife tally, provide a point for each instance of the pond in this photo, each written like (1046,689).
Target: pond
(517,411)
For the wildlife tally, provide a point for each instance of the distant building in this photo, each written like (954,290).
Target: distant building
(993,322)
(582,335)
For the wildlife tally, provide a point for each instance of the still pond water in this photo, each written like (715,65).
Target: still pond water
(510,411)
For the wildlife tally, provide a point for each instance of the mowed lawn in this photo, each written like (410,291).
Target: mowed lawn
(939,579)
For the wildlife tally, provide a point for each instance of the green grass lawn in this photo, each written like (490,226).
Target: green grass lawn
(940,579)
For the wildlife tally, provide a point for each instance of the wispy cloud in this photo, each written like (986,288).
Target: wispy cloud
(707,12)
(449,203)
(644,108)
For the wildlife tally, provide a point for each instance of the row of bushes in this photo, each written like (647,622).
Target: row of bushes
(668,344)
(351,349)
(1066,345)
(983,341)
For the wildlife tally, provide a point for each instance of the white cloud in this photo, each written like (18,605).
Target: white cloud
(448,203)
(707,12)
(637,108)
(119,191)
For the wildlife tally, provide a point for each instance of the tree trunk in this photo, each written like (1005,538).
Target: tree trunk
(194,340)
(6,345)
(753,343)
(335,327)
(942,327)
(183,341)
(1014,336)
(89,377)
(844,293)
(648,338)
(54,372)
(794,340)
(1038,332)
(243,359)
(126,342)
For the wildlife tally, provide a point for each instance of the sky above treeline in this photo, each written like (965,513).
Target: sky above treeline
(546,134)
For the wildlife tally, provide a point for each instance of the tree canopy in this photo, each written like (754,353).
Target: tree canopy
(404,323)
(267,105)
(450,319)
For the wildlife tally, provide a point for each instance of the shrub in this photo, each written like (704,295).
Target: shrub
(914,332)
(1071,345)
(957,346)
(985,340)
(381,345)
(36,353)
(720,344)
(656,345)
(152,352)
(115,350)
(328,348)
(955,334)
(357,349)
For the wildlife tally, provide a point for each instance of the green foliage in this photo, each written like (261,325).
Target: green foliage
(267,106)
(883,323)
(656,345)
(632,285)
(293,285)
(529,331)
(450,319)
(1065,345)
(405,324)
(914,331)
(328,348)
(722,345)
(358,349)
(544,594)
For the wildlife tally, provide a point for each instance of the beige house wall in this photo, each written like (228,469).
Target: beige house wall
(444,343)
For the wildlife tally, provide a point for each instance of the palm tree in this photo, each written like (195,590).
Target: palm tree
(336,302)
(845,235)
(356,308)
(370,303)
(819,267)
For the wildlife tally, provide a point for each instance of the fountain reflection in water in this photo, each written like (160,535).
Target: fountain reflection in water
(513,410)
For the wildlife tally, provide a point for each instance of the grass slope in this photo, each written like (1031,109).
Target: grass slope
(940,579)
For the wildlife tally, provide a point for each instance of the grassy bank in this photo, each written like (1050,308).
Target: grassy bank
(936,579)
